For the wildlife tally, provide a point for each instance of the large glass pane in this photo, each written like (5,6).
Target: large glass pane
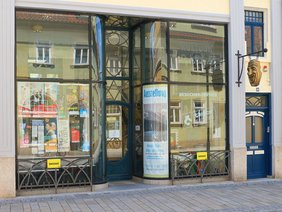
(98,135)
(258,129)
(249,127)
(248,39)
(258,38)
(97,48)
(197,52)
(116,132)
(52,45)
(155,56)
(137,58)
(138,132)
(217,118)
(117,53)
(189,120)
(53,119)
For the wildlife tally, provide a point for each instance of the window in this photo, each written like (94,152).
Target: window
(254,31)
(198,66)
(173,61)
(43,54)
(199,112)
(114,67)
(175,112)
(81,55)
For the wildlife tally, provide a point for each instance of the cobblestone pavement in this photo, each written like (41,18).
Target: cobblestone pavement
(261,195)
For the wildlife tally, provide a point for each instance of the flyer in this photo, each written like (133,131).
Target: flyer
(37,132)
(63,135)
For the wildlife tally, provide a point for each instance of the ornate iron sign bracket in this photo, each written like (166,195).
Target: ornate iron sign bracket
(239,56)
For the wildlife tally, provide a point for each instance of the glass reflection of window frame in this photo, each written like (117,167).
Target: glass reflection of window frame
(198,65)
(43,48)
(175,108)
(199,120)
(81,50)
(114,66)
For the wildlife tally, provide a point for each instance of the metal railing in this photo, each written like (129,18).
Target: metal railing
(186,165)
(74,171)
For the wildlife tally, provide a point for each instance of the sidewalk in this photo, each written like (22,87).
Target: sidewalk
(255,195)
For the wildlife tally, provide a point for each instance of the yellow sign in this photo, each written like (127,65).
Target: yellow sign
(202,155)
(53,163)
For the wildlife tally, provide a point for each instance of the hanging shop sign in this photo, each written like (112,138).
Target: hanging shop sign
(155,131)
(254,72)
(54,163)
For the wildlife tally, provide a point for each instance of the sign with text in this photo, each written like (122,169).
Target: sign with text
(53,163)
(202,155)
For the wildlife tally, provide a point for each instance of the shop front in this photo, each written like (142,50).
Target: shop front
(103,97)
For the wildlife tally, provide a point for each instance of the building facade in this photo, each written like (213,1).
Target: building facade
(99,92)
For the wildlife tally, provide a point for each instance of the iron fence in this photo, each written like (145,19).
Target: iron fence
(34,173)
(186,165)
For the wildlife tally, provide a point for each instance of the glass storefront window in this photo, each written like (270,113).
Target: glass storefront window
(155,56)
(53,119)
(52,46)
(197,52)
(189,133)
(137,58)
(82,92)
(197,118)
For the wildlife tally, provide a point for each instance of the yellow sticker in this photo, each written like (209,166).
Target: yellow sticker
(202,155)
(53,163)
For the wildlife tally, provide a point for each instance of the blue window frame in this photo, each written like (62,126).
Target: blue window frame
(254,31)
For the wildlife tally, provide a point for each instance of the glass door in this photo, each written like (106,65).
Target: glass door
(118,106)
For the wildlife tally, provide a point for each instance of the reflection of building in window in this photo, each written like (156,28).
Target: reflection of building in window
(198,65)
(43,54)
(199,112)
(216,121)
(114,66)
(254,28)
(81,55)
(114,121)
(175,112)
(173,60)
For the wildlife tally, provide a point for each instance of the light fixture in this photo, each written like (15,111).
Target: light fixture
(37,28)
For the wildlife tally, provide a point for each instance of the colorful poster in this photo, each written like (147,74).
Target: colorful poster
(50,138)
(63,135)
(155,132)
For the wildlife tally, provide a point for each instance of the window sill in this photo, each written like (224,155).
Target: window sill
(43,65)
(79,66)
(176,70)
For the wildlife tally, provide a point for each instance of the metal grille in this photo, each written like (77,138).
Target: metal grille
(33,173)
(186,165)
(256,101)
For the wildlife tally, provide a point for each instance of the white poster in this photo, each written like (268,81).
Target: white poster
(63,135)
(155,133)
